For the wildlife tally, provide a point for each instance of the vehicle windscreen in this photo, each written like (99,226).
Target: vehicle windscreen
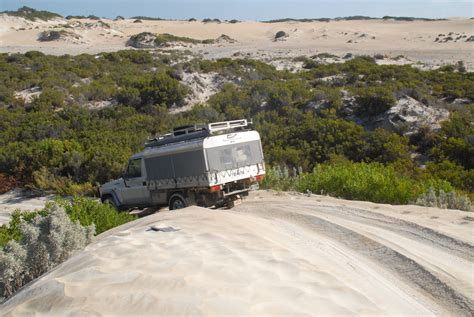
(233,156)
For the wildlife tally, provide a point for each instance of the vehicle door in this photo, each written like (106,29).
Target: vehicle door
(135,192)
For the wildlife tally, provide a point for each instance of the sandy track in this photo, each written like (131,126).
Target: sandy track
(446,284)
(276,253)
(17,200)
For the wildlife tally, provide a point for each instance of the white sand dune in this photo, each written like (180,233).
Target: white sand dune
(273,255)
(415,40)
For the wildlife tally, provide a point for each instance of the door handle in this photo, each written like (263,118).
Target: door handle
(144,183)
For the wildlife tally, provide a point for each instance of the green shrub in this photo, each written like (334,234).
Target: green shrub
(46,181)
(88,211)
(11,231)
(374,100)
(85,210)
(366,181)
(46,241)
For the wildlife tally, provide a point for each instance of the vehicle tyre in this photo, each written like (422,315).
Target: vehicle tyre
(177,202)
(111,202)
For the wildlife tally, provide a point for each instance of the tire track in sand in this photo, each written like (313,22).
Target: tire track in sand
(409,229)
(406,269)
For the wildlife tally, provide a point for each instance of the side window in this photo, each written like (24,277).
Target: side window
(134,168)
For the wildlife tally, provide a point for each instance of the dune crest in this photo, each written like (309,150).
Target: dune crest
(198,261)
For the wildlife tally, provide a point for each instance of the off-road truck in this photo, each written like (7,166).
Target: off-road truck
(206,165)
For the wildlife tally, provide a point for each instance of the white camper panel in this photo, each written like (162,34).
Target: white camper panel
(234,156)
(214,160)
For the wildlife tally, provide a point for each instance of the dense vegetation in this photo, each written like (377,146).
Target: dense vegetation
(32,14)
(367,181)
(63,141)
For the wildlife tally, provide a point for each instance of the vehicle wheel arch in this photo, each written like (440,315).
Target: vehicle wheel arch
(112,197)
(178,195)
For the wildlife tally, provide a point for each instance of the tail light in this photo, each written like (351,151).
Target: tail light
(215,188)
(259,178)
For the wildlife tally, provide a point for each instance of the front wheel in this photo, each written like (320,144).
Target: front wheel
(110,201)
(177,202)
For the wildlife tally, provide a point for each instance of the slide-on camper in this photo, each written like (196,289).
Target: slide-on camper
(205,165)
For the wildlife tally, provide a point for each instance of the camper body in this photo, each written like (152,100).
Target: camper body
(209,165)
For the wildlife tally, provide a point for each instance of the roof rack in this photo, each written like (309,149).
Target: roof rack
(197,131)
(227,125)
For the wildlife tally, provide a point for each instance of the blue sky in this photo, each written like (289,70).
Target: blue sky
(250,9)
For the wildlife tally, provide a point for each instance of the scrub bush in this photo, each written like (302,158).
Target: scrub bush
(278,178)
(46,241)
(367,181)
(374,100)
(444,200)
(280,34)
(356,181)
(91,212)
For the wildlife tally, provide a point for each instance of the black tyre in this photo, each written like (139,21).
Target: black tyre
(110,201)
(177,202)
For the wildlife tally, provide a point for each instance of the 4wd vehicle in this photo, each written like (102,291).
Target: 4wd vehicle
(205,165)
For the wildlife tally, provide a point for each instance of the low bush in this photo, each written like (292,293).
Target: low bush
(88,211)
(356,181)
(367,181)
(441,199)
(374,100)
(278,178)
(11,231)
(46,181)
(47,36)
(85,210)
(46,241)
(164,38)
(34,242)
(280,34)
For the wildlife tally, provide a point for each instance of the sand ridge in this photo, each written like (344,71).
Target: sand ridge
(283,254)
(416,40)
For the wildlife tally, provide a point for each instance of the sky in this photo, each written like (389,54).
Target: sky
(250,9)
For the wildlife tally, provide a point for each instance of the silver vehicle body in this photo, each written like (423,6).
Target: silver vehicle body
(209,165)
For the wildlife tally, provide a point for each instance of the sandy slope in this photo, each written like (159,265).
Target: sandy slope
(17,200)
(274,254)
(416,39)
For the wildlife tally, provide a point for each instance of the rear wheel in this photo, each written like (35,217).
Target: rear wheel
(177,202)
